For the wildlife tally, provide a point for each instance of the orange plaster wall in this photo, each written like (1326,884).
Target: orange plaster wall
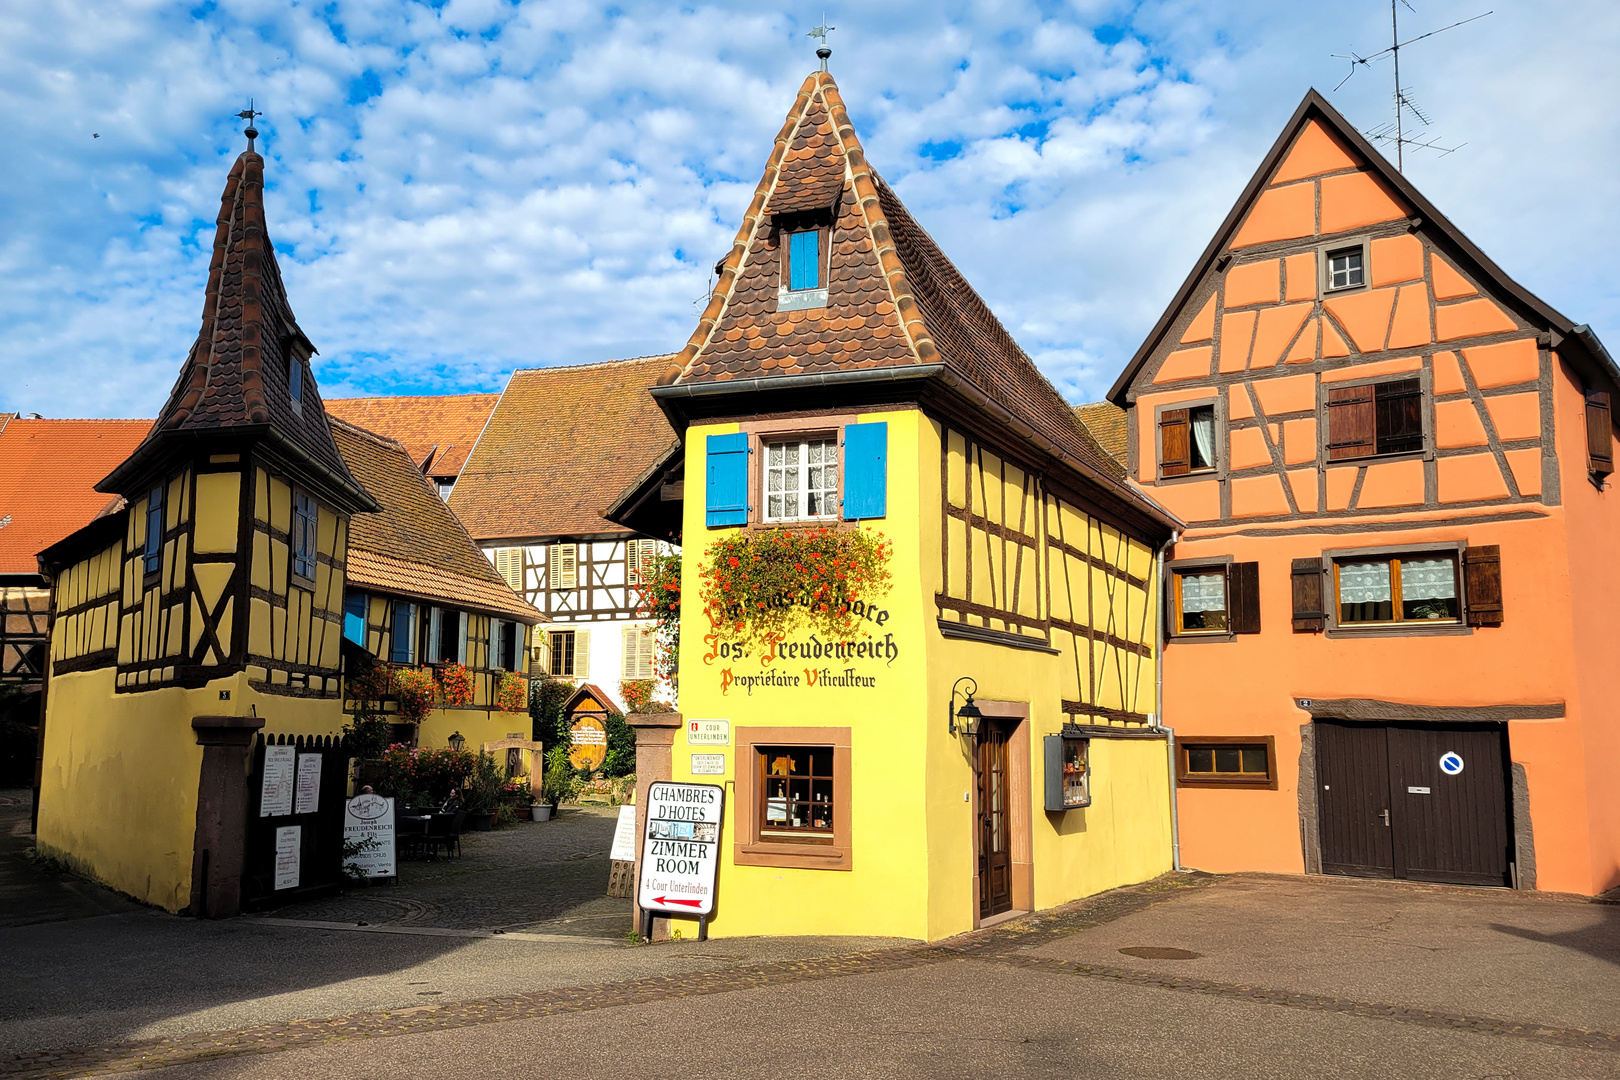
(1517,416)
(1237,331)
(1276,330)
(1252,283)
(1395,483)
(1297,393)
(1354,200)
(1447,375)
(1507,364)
(1470,318)
(1299,443)
(1202,328)
(1248,448)
(1594,522)
(1301,273)
(1456,424)
(1448,284)
(1364,315)
(1185,364)
(1396,259)
(1282,213)
(1528,660)
(1258,496)
(1471,478)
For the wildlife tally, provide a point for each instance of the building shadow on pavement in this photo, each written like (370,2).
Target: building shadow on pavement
(1601,940)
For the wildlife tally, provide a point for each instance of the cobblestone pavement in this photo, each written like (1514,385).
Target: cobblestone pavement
(538,876)
(1017,949)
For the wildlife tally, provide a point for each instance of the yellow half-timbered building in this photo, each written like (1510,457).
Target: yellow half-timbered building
(845,377)
(244,544)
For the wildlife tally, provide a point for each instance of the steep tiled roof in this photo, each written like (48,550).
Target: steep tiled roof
(561,445)
(1106,422)
(1575,342)
(48,474)
(237,375)
(894,299)
(415,545)
(438,431)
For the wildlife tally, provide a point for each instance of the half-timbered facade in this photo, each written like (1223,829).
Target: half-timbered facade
(560,445)
(1389,609)
(845,377)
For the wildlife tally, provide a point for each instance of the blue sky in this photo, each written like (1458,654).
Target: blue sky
(456,189)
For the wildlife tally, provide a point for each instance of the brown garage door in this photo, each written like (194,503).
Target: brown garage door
(1417,801)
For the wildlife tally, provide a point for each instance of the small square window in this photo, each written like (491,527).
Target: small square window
(1226,762)
(1200,601)
(1402,589)
(1346,268)
(801,480)
(795,794)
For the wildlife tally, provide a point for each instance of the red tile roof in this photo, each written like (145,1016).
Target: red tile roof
(415,546)
(894,299)
(438,431)
(559,448)
(48,475)
(237,375)
(1106,422)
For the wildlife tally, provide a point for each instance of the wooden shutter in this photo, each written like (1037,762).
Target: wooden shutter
(628,654)
(1352,423)
(582,653)
(1599,434)
(1308,607)
(404,632)
(1398,416)
(1243,598)
(866,471)
(562,566)
(461,637)
(435,626)
(1175,443)
(726,480)
(1482,584)
(509,564)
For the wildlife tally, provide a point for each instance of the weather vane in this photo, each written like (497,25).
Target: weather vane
(248,114)
(820,33)
(1396,132)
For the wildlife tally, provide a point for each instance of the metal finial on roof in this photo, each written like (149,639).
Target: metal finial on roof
(820,33)
(248,114)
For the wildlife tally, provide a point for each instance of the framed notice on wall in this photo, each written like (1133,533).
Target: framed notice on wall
(309,784)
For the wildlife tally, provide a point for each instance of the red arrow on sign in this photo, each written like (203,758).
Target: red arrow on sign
(672,900)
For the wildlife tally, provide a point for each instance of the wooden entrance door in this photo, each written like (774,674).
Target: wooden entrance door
(1387,808)
(995,832)
(1352,791)
(1450,827)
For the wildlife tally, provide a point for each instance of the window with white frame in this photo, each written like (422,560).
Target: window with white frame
(1346,268)
(801,479)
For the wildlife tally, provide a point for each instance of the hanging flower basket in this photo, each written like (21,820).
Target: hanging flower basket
(512,694)
(758,586)
(416,692)
(455,685)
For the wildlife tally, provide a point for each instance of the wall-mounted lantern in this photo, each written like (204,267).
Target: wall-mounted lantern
(457,741)
(969,713)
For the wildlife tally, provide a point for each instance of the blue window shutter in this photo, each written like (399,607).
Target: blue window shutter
(866,471)
(726,480)
(404,631)
(354,618)
(804,260)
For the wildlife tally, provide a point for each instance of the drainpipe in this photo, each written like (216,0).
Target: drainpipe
(1170,733)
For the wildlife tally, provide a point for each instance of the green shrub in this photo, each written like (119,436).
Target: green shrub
(621,747)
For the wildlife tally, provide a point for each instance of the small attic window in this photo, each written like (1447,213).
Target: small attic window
(295,382)
(803,242)
(1346,268)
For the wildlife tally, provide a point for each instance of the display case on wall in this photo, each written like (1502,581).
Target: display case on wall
(1068,772)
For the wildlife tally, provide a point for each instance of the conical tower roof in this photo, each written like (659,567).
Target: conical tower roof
(237,379)
(893,299)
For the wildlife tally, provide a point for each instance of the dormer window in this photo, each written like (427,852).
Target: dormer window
(803,241)
(295,383)
(804,260)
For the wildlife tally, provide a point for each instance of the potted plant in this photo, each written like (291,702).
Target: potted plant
(561,782)
(482,795)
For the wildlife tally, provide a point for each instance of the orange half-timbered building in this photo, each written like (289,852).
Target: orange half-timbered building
(1390,615)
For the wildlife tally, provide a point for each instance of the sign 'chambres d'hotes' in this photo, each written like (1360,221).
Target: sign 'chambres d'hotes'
(680,851)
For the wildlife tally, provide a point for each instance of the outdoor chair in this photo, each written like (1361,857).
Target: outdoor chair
(438,833)
(413,836)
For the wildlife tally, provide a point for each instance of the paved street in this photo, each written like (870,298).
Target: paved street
(1274,977)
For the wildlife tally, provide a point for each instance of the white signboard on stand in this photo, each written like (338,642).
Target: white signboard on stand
(309,784)
(276,790)
(624,835)
(289,840)
(370,817)
(680,852)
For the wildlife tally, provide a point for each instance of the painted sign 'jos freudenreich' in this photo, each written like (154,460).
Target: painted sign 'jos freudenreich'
(681,849)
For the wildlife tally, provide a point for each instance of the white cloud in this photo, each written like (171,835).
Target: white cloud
(459,189)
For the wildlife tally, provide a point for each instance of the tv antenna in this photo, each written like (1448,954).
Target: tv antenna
(1395,133)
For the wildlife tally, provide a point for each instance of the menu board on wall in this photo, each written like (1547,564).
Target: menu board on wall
(288,843)
(309,784)
(276,791)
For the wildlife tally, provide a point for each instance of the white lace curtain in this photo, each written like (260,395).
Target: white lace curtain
(1203,592)
(1421,579)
